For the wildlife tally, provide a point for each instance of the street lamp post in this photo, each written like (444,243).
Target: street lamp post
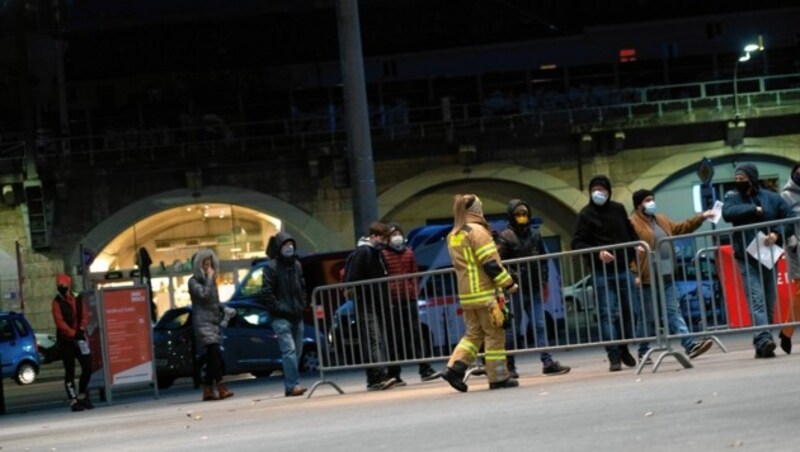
(748,49)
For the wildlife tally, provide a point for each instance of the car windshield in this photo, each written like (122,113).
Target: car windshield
(252,285)
(173,320)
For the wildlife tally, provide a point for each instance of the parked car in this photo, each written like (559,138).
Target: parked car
(48,352)
(18,350)
(579,297)
(250,345)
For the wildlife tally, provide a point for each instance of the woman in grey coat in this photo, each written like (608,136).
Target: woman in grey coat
(791,194)
(207,315)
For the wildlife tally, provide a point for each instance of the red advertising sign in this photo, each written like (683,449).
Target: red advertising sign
(126,311)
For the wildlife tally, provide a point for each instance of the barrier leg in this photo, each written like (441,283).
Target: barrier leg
(719,343)
(679,356)
(323,382)
(647,356)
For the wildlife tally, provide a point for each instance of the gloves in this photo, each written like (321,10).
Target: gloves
(513,289)
(496,314)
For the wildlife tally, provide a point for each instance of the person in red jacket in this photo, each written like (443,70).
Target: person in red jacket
(71,319)
(406,342)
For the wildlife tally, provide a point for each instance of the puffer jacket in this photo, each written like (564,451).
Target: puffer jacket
(644,229)
(517,241)
(283,288)
(206,308)
(791,194)
(479,272)
(401,262)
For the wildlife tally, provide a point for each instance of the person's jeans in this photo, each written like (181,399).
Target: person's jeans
(373,345)
(759,287)
(675,321)
(290,341)
(531,305)
(615,292)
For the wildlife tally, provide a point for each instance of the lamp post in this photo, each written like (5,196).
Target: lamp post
(748,49)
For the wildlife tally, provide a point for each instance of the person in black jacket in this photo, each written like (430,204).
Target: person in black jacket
(520,240)
(371,302)
(602,223)
(283,290)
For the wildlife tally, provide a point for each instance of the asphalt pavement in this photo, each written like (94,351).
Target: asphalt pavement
(726,401)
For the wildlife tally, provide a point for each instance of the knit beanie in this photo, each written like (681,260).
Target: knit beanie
(639,195)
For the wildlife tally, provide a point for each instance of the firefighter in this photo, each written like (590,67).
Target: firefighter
(481,279)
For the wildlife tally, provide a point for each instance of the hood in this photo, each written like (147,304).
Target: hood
(791,186)
(603,181)
(363,241)
(197,262)
(512,205)
(276,242)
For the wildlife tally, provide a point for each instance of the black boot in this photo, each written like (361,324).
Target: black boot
(786,343)
(625,356)
(507,383)
(455,376)
(511,364)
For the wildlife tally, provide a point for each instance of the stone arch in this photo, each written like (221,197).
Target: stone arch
(307,231)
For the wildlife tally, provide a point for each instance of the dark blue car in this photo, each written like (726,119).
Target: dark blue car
(250,345)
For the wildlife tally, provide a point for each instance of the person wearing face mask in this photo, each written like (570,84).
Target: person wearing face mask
(520,240)
(604,222)
(749,204)
(791,194)
(651,227)
(371,302)
(283,290)
(71,318)
(405,340)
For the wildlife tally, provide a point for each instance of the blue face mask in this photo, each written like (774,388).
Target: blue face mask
(287,251)
(650,208)
(599,197)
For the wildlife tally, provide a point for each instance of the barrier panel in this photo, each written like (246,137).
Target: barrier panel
(566,300)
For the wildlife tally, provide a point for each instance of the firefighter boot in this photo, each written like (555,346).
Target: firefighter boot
(455,376)
(507,383)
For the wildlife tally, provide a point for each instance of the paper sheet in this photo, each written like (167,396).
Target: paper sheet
(767,255)
(717,209)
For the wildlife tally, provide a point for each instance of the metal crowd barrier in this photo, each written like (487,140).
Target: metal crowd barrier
(416,318)
(709,282)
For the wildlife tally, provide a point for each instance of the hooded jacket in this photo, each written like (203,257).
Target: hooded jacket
(740,210)
(791,194)
(364,263)
(517,241)
(206,308)
(605,225)
(283,287)
(69,313)
(479,272)
(642,224)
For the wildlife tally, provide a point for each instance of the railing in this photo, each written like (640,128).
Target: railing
(626,108)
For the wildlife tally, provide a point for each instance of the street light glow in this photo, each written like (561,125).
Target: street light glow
(751,48)
(745,57)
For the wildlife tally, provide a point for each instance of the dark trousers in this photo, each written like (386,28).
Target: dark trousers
(373,344)
(213,364)
(71,352)
(405,337)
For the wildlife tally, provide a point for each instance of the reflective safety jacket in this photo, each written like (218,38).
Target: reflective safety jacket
(479,272)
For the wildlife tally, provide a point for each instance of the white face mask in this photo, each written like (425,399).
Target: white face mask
(287,251)
(599,197)
(397,241)
(650,208)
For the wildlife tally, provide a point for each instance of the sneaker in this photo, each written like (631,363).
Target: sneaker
(786,343)
(614,364)
(455,380)
(296,391)
(85,402)
(647,362)
(554,368)
(399,382)
(507,383)
(626,357)
(766,351)
(75,405)
(700,348)
(428,374)
(389,383)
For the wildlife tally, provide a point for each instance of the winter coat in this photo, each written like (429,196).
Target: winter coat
(365,263)
(791,194)
(605,225)
(740,210)
(67,318)
(642,224)
(401,262)
(206,308)
(517,241)
(283,288)
(479,273)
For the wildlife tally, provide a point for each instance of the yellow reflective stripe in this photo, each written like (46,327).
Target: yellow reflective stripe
(476,298)
(468,347)
(485,251)
(472,270)
(502,278)
(495,355)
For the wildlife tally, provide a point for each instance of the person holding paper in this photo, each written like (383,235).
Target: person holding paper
(749,204)
(791,194)
(651,226)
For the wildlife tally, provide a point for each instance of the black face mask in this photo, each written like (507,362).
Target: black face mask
(63,290)
(743,186)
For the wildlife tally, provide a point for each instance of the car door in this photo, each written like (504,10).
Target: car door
(250,344)
(7,346)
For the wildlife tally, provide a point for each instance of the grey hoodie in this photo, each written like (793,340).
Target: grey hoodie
(206,312)
(791,194)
